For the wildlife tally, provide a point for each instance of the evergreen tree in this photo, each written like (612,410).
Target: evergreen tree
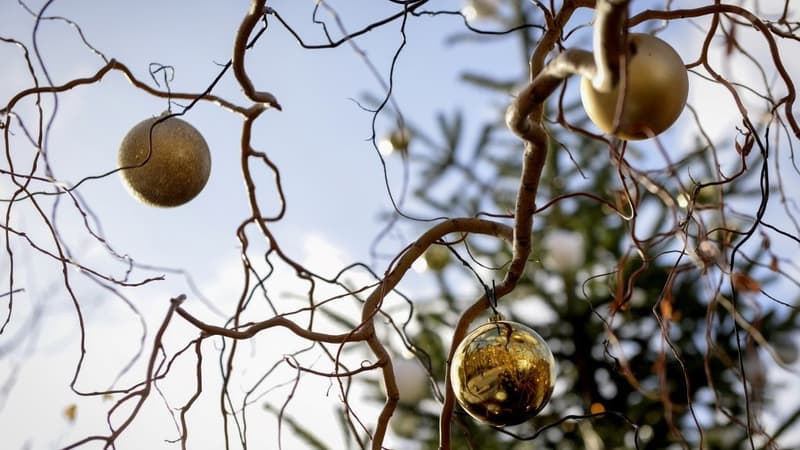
(628,280)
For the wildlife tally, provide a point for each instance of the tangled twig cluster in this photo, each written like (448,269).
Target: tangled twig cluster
(737,260)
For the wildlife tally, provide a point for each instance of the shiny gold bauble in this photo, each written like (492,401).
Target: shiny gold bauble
(170,172)
(657,85)
(503,373)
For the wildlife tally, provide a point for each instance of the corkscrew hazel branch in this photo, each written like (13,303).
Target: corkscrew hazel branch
(524,118)
(365,332)
(257,9)
(117,65)
(610,35)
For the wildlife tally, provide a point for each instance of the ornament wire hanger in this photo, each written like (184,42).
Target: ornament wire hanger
(491,295)
(490,291)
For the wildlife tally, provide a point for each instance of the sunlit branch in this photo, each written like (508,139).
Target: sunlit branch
(524,118)
(257,10)
(101,73)
(609,43)
(251,330)
(656,215)
(393,277)
(409,8)
(143,393)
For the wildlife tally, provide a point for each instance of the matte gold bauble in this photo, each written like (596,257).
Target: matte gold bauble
(437,257)
(503,373)
(400,139)
(170,172)
(656,88)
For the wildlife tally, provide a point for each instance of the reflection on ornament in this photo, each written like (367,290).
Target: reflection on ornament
(503,373)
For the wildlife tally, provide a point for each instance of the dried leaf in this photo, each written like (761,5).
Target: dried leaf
(730,41)
(745,283)
(666,308)
(71,412)
(747,147)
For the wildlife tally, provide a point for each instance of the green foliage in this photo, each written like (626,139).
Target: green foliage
(636,330)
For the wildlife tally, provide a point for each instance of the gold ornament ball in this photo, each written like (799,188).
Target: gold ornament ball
(400,139)
(503,373)
(178,166)
(656,89)
(437,257)
(397,141)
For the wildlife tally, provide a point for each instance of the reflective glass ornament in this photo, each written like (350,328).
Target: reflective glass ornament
(503,373)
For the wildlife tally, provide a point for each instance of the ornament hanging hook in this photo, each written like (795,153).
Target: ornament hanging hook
(491,295)
(168,74)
